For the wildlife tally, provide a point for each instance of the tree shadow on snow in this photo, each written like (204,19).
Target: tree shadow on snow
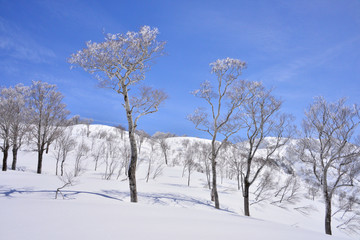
(166,199)
(10,193)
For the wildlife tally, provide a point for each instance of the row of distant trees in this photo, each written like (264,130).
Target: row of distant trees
(35,114)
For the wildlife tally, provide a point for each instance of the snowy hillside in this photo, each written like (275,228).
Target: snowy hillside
(96,204)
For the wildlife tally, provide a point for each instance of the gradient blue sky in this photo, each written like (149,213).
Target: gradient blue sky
(301,48)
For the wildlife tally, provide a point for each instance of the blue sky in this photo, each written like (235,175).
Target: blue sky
(300,48)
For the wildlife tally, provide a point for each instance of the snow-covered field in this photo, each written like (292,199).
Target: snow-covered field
(95,208)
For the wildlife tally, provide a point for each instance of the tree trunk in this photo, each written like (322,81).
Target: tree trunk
(96,163)
(189,174)
(246,198)
(4,167)
(139,151)
(148,172)
(14,151)
(238,180)
(40,159)
(47,148)
(215,196)
(62,167)
(133,148)
(208,177)
(57,166)
(165,155)
(132,167)
(328,215)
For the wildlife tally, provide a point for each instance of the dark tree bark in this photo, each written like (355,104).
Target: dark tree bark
(328,215)
(133,148)
(62,167)
(40,159)
(5,151)
(15,152)
(165,155)
(47,147)
(246,197)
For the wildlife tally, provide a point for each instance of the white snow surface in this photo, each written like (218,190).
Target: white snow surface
(95,208)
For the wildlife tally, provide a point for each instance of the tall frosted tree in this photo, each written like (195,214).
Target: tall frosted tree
(327,148)
(120,63)
(47,117)
(222,119)
(266,131)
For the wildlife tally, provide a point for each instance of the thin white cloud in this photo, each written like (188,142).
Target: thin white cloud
(16,44)
(290,70)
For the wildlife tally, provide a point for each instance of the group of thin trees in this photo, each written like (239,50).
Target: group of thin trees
(250,112)
(242,114)
(35,114)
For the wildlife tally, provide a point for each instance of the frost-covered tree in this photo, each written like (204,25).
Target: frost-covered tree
(19,126)
(153,147)
(6,113)
(120,63)
(13,113)
(204,152)
(111,159)
(165,147)
(222,118)
(81,152)
(237,163)
(189,159)
(48,114)
(141,137)
(64,144)
(265,132)
(97,153)
(327,148)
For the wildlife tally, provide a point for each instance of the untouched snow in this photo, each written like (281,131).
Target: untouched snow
(95,208)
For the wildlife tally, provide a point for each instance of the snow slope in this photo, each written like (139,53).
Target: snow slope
(94,208)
